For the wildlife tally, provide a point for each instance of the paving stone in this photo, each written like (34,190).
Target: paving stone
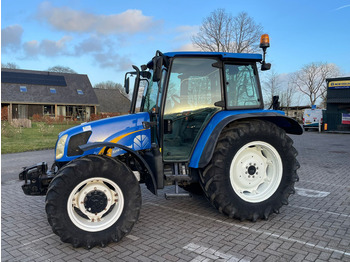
(309,229)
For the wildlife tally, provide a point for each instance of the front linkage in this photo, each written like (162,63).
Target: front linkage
(36,179)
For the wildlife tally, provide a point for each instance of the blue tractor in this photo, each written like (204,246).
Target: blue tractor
(197,121)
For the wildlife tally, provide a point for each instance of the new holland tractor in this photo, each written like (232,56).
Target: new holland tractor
(197,121)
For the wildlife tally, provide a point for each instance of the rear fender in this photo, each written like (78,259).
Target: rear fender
(150,179)
(204,149)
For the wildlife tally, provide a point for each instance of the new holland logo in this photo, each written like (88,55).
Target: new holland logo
(339,84)
(141,142)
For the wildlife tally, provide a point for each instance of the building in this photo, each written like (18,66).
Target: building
(27,92)
(337,116)
(112,101)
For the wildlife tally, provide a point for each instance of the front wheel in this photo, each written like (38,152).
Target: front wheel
(252,172)
(92,201)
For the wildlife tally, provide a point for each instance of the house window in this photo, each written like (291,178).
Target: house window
(23,89)
(80,92)
(49,110)
(52,90)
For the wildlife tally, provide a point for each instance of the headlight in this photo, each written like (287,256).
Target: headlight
(60,146)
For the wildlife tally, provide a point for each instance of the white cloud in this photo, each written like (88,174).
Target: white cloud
(53,48)
(115,61)
(188,47)
(90,45)
(185,32)
(11,36)
(31,48)
(67,19)
(342,7)
(183,36)
(46,47)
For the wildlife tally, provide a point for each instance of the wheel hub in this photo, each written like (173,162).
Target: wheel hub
(95,201)
(95,204)
(251,170)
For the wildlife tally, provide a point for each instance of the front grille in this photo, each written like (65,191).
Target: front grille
(76,141)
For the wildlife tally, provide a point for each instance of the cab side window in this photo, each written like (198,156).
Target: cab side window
(241,86)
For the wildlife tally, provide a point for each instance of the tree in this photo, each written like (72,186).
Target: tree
(111,85)
(287,97)
(246,34)
(61,69)
(271,87)
(9,66)
(221,32)
(108,85)
(311,79)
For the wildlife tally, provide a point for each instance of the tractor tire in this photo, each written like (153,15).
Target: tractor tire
(252,171)
(194,188)
(92,201)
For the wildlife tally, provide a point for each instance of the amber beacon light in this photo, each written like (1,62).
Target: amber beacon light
(264,44)
(264,41)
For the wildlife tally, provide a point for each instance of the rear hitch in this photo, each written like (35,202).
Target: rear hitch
(36,179)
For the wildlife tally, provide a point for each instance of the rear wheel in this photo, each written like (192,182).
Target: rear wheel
(193,188)
(92,201)
(252,172)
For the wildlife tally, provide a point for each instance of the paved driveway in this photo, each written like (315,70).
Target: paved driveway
(315,226)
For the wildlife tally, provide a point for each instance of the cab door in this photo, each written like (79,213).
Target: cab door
(194,86)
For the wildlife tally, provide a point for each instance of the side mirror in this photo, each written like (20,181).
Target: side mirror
(275,103)
(157,68)
(126,85)
(265,66)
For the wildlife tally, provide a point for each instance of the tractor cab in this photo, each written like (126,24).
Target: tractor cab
(184,90)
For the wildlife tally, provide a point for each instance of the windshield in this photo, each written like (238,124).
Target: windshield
(194,84)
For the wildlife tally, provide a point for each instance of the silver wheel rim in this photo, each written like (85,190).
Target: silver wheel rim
(256,171)
(95,204)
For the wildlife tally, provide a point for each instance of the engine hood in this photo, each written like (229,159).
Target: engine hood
(126,130)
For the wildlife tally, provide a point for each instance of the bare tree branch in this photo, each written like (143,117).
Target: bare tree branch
(9,65)
(271,87)
(221,32)
(311,79)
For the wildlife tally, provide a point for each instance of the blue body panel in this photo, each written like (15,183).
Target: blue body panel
(217,118)
(126,130)
(256,57)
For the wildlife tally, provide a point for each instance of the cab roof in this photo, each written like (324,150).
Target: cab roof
(223,55)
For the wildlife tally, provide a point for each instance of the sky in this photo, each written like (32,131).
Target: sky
(104,38)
